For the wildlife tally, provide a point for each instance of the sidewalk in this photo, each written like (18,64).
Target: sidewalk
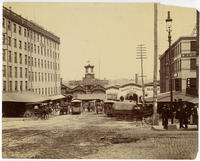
(173,127)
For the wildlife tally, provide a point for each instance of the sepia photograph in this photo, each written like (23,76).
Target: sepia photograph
(99,80)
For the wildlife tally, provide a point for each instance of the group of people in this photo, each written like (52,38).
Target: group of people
(182,112)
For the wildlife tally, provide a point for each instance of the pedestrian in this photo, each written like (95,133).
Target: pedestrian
(165,116)
(185,115)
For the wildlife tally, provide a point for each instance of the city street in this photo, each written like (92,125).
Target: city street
(93,136)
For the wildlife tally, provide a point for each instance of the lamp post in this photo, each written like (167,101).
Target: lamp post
(168,28)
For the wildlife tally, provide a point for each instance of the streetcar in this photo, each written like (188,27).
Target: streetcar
(76,107)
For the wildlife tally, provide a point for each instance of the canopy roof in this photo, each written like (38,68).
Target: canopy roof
(95,96)
(56,97)
(165,97)
(25,97)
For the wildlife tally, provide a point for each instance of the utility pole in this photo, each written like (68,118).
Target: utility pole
(141,54)
(155,118)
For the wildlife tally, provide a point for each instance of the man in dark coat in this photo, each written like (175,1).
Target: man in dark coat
(165,116)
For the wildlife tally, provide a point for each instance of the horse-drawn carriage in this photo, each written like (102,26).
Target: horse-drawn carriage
(127,110)
(64,108)
(38,110)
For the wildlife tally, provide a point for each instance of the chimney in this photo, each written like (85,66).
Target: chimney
(136,78)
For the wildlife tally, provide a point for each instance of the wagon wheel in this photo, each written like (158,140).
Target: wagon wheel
(28,115)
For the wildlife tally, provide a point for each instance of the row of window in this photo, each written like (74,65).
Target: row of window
(31,61)
(31,47)
(190,46)
(18,86)
(38,76)
(29,33)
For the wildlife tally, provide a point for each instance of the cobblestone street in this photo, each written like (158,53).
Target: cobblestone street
(93,136)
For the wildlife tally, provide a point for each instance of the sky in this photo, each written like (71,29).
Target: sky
(107,34)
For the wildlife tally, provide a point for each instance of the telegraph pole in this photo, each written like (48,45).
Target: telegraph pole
(141,54)
(155,119)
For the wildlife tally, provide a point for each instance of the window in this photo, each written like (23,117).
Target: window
(25,59)
(26,73)
(35,76)
(191,83)
(44,51)
(193,45)
(31,47)
(32,76)
(21,86)
(26,85)
(29,76)
(41,51)
(4,55)
(15,57)
(24,32)
(4,70)
(39,90)
(41,63)
(16,86)
(38,63)
(192,64)
(42,91)
(28,46)
(9,56)
(25,47)
(42,77)
(35,62)
(3,22)
(9,25)
(10,86)
(20,30)
(34,48)
(28,60)
(20,72)
(38,50)
(45,91)
(9,40)
(15,28)
(4,39)
(39,76)
(15,43)
(4,85)
(15,72)
(45,77)
(20,58)
(31,61)
(48,64)
(10,71)
(45,64)
(178,84)
(20,44)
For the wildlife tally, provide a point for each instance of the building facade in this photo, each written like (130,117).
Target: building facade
(88,85)
(183,65)
(130,89)
(31,56)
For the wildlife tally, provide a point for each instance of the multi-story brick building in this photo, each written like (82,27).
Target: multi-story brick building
(183,66)
(30,56)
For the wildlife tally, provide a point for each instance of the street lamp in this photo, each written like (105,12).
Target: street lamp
(168,28)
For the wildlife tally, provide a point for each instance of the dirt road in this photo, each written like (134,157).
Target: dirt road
(93,136)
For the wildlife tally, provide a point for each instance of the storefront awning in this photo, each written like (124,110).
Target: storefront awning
(56,97)
(165,97)
(25,97)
